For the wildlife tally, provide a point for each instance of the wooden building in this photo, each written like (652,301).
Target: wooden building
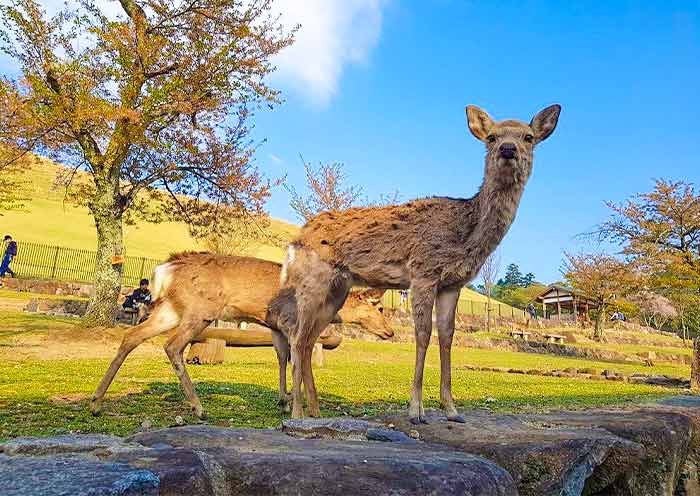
(575,305)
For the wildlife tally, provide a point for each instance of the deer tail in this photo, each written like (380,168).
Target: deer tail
(161,280)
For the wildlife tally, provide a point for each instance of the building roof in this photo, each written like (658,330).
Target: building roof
(558,293)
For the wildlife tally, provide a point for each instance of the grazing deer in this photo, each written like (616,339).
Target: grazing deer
(434,246)
(191,290)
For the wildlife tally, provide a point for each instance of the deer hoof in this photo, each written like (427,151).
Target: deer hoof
(314,412)
(456,418)
(199,413)
(420,419)
(95,408)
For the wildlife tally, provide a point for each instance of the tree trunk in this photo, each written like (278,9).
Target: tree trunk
(488,312)
(598,331)
(102,310)
(695,367)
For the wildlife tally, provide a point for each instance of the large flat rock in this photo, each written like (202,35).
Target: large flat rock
(204,460)
(653,450)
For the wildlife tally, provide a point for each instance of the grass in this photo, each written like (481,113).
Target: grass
(26,296)
(41,394)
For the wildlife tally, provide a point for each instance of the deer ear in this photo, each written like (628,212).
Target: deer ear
(543,124)
(480,123)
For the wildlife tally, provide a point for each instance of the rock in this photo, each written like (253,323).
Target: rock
(179,420)
(571,453)
(203,460)
(69,474)
(388,435)
(414,434)
(86,443)
(257,460)
(329,428)
(146,424)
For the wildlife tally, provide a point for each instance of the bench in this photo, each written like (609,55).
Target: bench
(555,338)
(520,334)
(132,314)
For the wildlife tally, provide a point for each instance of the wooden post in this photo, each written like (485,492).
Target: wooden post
(695,367)
(558,307)
(544,310)
(575,312)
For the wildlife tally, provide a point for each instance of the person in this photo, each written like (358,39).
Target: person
(531,311)
(141,296)
(10,254)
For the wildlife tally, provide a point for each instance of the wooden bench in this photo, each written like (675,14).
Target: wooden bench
(520,334)
(133,315)
(555,338)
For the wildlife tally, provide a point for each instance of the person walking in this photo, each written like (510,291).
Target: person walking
(531,311)
(10,254)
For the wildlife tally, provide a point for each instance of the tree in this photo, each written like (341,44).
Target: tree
(327,190)
(513,277)
(157,97)
(528,279)
(600,277)
(654,309)
(489,273)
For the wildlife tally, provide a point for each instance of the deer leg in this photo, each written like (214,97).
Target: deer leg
(297,375)
(423,299)
(446,305)
(186,332)
(163,319)
(281,345)
(309,384)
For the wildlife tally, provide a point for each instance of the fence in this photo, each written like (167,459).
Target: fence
(72,265)
(392,299)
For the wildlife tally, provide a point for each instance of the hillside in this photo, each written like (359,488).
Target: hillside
(47,219)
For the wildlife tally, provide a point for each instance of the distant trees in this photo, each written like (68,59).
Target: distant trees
(654,309)
(517,289)
(600,277)
(660,231)
(152,103)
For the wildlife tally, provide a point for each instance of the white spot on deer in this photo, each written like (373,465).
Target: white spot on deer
(161,280)
(288,259)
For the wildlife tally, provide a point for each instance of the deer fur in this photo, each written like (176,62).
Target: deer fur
(434,246)
(191,290)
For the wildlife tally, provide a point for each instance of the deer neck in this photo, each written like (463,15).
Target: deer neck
(497,203)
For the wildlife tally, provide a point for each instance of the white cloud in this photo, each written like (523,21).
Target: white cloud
(275,158)
(333,34)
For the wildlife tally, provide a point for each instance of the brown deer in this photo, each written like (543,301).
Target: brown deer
(191,290)
(433,246)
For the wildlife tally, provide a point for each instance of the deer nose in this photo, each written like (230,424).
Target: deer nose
(508,150)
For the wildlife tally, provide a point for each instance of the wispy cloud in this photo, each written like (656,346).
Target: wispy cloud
(275,158)
(333,34)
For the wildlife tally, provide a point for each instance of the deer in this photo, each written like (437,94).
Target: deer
(432,246)
(193,289)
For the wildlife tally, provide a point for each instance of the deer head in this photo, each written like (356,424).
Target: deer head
(364,308)
(510,143)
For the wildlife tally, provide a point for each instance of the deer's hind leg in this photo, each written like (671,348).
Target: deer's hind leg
(423,300)
(281,344)
(163,319)
(185,333)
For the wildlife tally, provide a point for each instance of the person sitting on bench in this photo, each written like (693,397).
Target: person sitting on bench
(141,296)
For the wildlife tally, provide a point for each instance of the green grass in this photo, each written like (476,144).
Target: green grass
(48,396)
(26,296)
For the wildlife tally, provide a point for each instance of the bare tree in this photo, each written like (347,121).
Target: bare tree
(489,276)
(327,191)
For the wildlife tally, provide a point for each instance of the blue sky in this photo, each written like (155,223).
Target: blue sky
(626,73)
(381,85)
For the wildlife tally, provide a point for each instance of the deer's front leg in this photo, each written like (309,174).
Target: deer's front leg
(423,300)
(445,306)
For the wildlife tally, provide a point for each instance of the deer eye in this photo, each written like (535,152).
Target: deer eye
(529,138)
(491,138)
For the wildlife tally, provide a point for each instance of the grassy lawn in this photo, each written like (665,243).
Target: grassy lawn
(48,369)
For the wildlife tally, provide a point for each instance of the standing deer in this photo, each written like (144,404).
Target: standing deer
(434,246)
(191,290)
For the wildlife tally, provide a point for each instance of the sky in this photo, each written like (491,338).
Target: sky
(381,85)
